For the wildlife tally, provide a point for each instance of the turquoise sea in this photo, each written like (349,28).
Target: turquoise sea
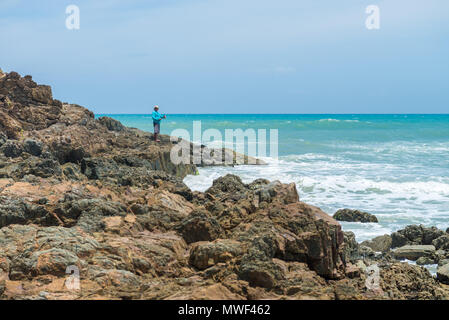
(394,166)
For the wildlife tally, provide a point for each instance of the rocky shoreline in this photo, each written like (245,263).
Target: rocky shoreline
(86,194)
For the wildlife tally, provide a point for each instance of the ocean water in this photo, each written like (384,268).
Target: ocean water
(394,166)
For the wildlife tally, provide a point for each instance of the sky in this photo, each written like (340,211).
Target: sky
(234,56)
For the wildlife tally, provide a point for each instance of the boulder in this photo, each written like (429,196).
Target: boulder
(38,167)
(111,124)
(443,262)
(401,281)
(259,270)
(415,235)
(425,260)
(443,274)
(200,226)
(33,147)
(53,261)
(442,242)
(206,254)
(12,149)
(351,247)
(349,215)
(44,251)
(413,252)
(88,214)
(227,184)
(366,252)
(18,211)
(430,234)
(398,240)
(379,244)
(42,94)
(276,190)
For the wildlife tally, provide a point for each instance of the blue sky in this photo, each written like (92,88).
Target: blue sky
(234,56)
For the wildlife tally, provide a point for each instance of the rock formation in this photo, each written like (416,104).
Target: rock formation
(87,196)
(349,215)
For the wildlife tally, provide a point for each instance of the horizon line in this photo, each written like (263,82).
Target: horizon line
(355,114)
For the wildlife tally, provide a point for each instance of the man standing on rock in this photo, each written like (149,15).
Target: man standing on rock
(157,117)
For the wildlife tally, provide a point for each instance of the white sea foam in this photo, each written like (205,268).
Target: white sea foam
(329,120)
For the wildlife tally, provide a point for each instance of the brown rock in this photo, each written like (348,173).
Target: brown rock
(206,254)
(200,226)
(379,244)
(349,215)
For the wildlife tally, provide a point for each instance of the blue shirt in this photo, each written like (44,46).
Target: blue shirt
(156,117)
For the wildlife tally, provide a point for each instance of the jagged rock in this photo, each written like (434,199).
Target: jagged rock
(406,281)
(430,234)
(227,184)
(398,240)
(111,124)
(3,138)
(413,252)
(20,212)
(37,251)
(32,147)
(12,149)
(379,244)
(442,242)
(425,260)
(351,247)
(66,152)
(53,261)
(152,253)
(443,274)
(38,167)
(88,213)
(276,189)
(72,172)
(349,215)
(199,226)
(415,235)
(99,168)
(366,252)
(42,94)
(259,270)
(298,232)
(205,255)
(443,262)
(440,255)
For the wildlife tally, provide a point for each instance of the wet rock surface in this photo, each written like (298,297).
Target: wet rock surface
(91,195)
